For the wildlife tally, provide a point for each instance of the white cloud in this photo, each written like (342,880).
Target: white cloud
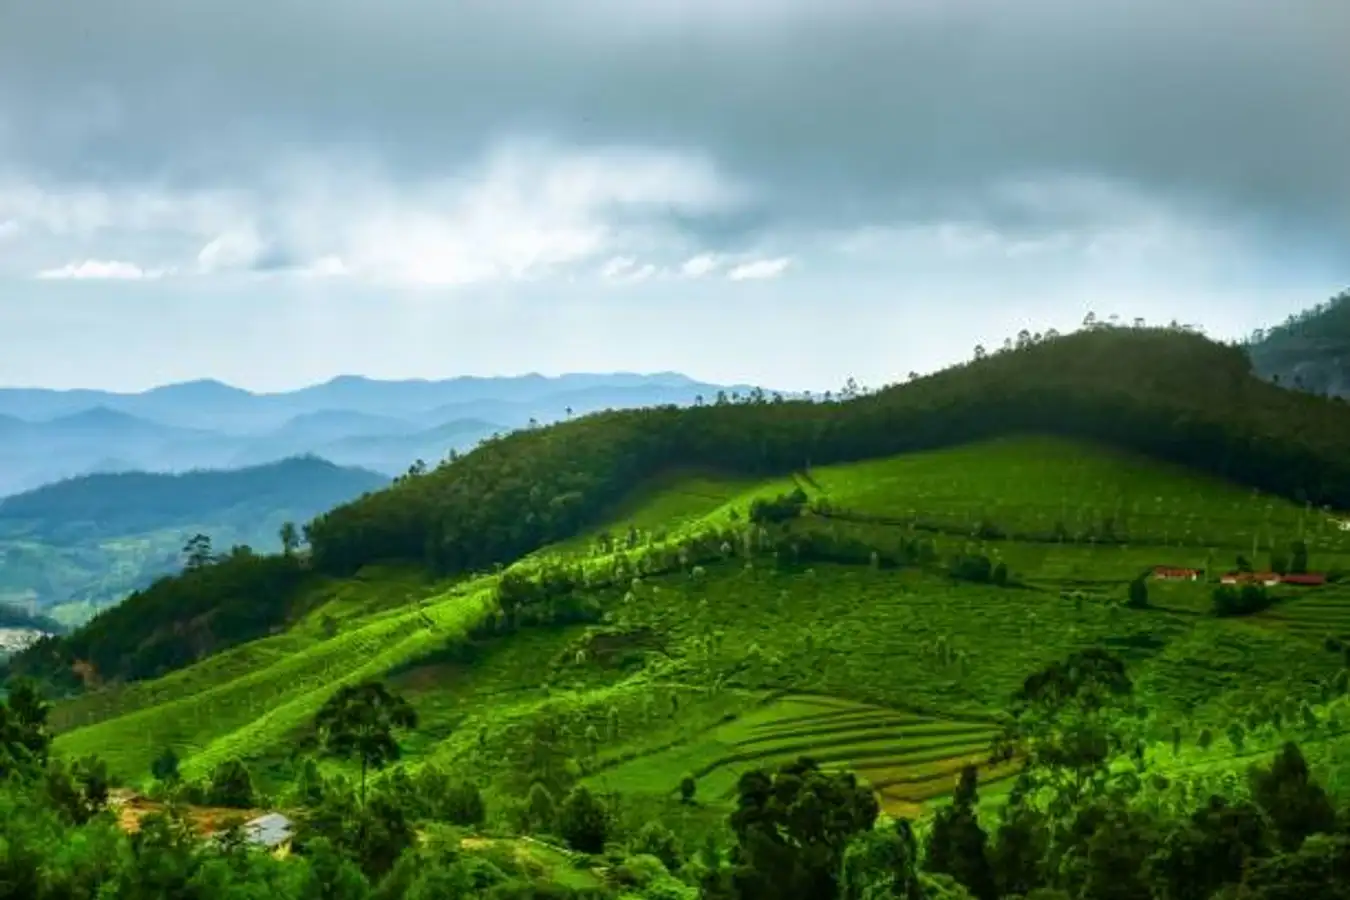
(525,210)
(759,269)
(626,269)
(698,266)
(8,228)
(100,270)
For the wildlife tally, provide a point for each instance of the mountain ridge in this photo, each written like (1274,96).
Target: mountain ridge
(206,424)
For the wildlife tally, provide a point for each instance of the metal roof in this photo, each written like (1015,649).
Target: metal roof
(269,830)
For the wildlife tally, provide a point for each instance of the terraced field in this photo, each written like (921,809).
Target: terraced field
(1318,614)
(907,757)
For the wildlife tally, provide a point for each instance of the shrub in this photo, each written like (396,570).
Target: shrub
(688,787)
(655,839)
(583,821)
(231,786)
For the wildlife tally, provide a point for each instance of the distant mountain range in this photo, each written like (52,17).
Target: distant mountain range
(70,548)
(47,435)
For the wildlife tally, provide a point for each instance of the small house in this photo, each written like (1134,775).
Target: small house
(273,832)
(1172,573)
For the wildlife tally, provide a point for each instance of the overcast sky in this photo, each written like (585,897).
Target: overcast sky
(786,192)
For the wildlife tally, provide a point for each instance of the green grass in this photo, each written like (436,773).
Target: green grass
(1027,484)
(757,665)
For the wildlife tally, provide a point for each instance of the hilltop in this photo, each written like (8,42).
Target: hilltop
(75,546)
(652,605)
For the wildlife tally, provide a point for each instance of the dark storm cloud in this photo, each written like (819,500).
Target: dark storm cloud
(840,112)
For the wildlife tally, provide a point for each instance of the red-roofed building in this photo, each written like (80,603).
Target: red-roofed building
(1172,573)
(1307,578)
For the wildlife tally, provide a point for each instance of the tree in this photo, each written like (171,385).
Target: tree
(688,787)
(881,865)
(290,538)
(583,821)
(165,766)
(1070,720)
(957,845)
(1296,804)
(231,785)
(1138,598)
(198,551)
(25,739)
(792,827)
(1298,558)
(360,722)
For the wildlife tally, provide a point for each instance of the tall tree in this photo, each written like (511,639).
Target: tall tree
(290,538)
(792,828)
(198,551)
(957,845)
(360,721)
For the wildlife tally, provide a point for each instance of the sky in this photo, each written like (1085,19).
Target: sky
(780,192)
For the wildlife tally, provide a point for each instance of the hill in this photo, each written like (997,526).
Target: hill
(1309,351)
(72,547)
(720,653)
(1171,395)
(657,605)
(382,425)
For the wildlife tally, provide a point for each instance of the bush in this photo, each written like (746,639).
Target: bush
(655,839)
(1243,601)
(231,785)
(583,821)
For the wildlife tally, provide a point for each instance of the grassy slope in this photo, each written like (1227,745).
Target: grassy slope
(733,640)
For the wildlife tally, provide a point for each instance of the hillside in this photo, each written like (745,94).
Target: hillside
(1309,351)
(689,600)
(1171,395)
(72,547)
(715,659)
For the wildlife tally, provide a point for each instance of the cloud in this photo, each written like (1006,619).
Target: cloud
(759,269)
(523,209)
(698,266)
(99,270)
(626,269)
(842,113)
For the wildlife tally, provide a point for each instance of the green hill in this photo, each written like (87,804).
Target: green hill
(73,547)
(632,598)
(691,656)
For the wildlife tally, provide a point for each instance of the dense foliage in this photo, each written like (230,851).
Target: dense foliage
(1074,826)
(174,622)
(1168,394)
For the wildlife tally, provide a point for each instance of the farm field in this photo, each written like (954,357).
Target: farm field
(908,758)
(903,667)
